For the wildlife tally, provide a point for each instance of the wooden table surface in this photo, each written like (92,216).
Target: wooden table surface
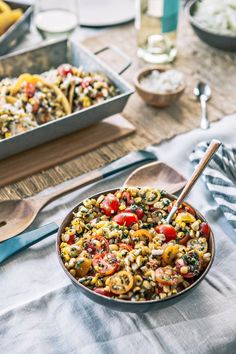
(196,60)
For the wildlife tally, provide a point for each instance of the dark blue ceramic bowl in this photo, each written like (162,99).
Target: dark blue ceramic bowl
(219,41)
(124,305)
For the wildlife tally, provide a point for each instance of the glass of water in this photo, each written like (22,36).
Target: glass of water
(56,18)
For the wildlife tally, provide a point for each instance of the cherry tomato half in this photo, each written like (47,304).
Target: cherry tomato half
(64,69)
(127,197)
(96,244)
(121,282)
(103,292)
(142,235)
(185,217)
(189,209)
(125,218)
(183,240)
(193,261)
(169,254)
(168,230)
(167,276)
(30,89)
(205,230)
(71,240)
(136,210)
(184,207)
(125,246)
(110,205)
(199,244)
(105,263)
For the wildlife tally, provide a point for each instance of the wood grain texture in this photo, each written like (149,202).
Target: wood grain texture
(157,175)
(195,59)
(17,215)
(63,149)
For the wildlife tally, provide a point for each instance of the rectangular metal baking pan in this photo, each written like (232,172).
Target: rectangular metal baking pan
(43,58)
(17,31)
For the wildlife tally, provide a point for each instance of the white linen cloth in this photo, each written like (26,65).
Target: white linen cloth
(42,312)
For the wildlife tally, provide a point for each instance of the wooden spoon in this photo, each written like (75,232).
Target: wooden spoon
(213,147)
(23,212)
(17,215)
(157,175)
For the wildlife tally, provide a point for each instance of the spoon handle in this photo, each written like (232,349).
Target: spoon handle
(130,160)
(204,124)
(213,147)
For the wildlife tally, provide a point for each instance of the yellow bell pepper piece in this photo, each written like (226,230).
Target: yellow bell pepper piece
(22,79)
(185,217)
(83,265)
(170,253)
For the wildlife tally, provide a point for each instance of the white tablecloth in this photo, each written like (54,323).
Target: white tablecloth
(42,312)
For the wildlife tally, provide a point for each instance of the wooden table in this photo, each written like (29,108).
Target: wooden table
(196,60)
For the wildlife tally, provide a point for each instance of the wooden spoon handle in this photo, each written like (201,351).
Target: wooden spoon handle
(213,147)
(84,180)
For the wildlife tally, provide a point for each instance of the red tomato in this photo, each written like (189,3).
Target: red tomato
(71,240)
(185,207)
(135,209)
(64,69)
(168,230)
(205,230)
(92,247)
(110,205)
(189,209)
(126,219)
(103,292)
(127,197)
(170,206)
(193,261)
(125,246)
(167,276)
(183,240)
(105,263)
(30,89)
(84,84)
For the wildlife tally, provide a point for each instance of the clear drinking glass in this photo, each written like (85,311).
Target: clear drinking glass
(55,18)
(156,25)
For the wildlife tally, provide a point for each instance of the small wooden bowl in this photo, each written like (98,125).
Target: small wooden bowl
(155,99)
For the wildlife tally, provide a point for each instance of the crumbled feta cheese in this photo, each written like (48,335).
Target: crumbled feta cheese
(166,81)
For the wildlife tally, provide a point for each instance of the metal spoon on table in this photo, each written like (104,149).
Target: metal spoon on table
(213,147)
(203,93)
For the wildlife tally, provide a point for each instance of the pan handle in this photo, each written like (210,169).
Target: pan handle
(118,51)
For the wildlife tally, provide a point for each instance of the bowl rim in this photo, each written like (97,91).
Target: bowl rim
(120,301)
(160,68)
(195,23)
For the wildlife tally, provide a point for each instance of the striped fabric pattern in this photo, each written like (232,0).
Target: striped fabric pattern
(220,177)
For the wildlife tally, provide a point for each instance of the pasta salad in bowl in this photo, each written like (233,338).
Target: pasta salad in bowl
(118,249)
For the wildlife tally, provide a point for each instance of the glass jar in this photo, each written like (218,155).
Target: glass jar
(156,25)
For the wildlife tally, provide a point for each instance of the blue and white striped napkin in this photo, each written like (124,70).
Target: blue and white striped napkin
(220,177)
